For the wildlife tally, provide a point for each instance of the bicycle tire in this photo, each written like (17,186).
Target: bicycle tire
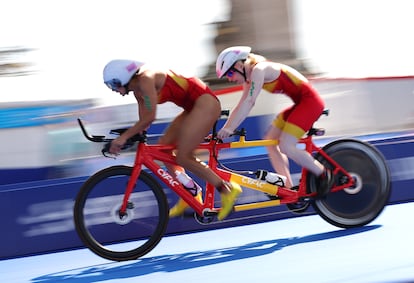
(99,225)
(359,205)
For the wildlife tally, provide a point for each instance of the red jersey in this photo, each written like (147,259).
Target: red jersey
(182,91)
(293,85)
(308,105)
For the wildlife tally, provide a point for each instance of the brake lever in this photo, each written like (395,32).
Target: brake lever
(107,146)
(105,151)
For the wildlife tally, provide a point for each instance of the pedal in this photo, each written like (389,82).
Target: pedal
(209,213)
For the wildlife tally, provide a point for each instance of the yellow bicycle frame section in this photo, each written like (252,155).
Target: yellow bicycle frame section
(257,185)
(243,143)
(251,183)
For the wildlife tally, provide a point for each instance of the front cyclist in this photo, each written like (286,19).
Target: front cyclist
(201,109)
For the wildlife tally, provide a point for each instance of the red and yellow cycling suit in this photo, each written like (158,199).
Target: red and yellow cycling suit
(308,105)
(182,91)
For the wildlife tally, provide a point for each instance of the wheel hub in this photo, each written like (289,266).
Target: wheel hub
(122,219)
(357,187)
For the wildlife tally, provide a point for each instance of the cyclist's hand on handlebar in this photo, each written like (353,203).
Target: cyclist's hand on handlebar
(116,145)
(224,133)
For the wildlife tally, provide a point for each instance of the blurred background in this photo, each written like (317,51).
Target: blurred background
(357,53)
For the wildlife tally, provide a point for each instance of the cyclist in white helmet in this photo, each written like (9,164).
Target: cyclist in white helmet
(201,109)
(255,73)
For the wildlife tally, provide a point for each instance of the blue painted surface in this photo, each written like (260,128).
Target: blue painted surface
(22,175)
(302,249)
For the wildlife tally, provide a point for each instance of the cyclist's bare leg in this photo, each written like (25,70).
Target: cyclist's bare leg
(170,137)
(287,144)
(187,131)
(279,161)
(193,129)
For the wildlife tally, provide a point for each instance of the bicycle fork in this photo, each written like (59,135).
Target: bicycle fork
(136,171)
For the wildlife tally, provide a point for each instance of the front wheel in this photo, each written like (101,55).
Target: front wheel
(111,235)
(358,205)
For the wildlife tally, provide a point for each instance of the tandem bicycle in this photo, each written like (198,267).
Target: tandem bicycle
(122,200)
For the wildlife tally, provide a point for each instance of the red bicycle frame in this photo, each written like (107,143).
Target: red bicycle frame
(147,155)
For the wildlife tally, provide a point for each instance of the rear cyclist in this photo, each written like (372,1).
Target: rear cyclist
(201,109)
(255,73)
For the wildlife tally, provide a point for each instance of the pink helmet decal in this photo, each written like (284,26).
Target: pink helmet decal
(132,67)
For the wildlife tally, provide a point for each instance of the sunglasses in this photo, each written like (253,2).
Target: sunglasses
(230,73)
(113,84)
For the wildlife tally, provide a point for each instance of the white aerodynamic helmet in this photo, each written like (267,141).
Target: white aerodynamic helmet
(228,57)
(118,73)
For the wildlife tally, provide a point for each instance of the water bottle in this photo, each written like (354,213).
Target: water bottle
(272,178)
(188,183)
